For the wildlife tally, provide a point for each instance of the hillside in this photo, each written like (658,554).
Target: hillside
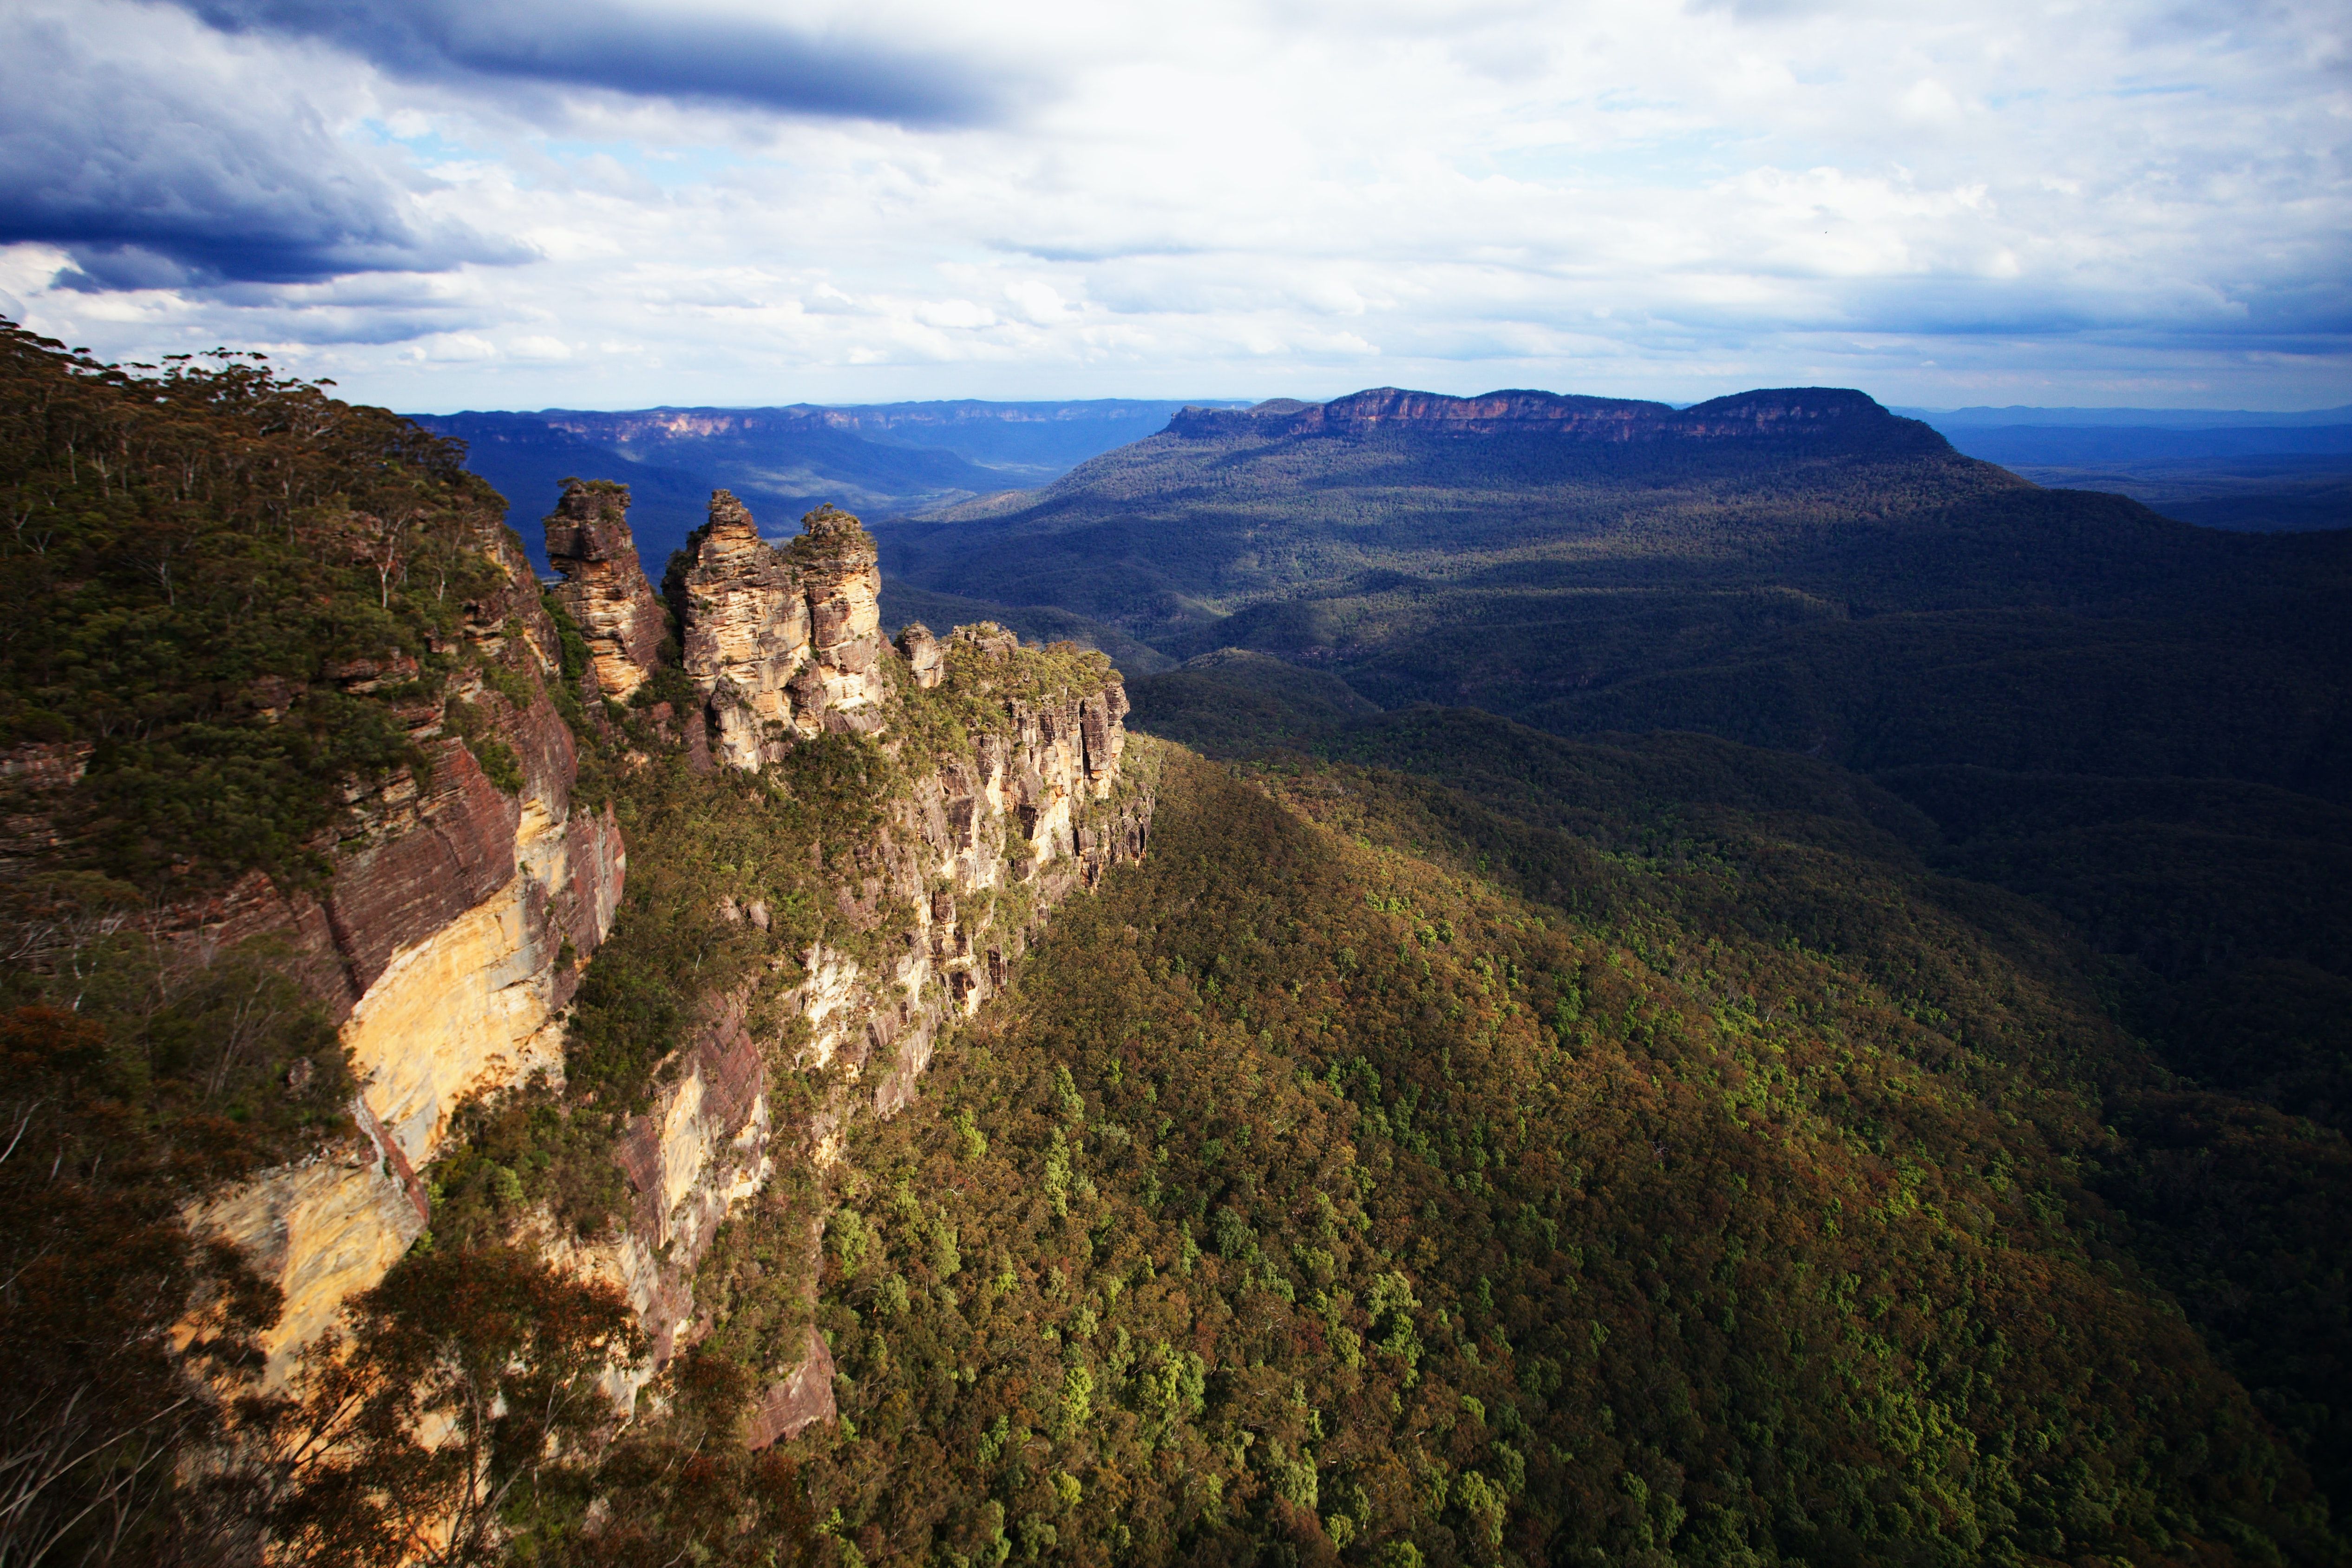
(2284,492)
(1373,1173)
(1795,570)
(2256,472)
(410,970)
(1227,508)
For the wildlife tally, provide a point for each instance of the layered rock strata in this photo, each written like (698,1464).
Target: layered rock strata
(445,943)
(449,939)
(922,653)
(781,645)
(1811,415)
(605,588)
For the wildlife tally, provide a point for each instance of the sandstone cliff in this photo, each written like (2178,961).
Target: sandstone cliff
(1812,415)
(782,644)
(1026,802)
(467,895)
(445,943)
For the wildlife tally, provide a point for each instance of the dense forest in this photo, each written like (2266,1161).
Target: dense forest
(2052,746)
(1457,1141)
(1373,1172)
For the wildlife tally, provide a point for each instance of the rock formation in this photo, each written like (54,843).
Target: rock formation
(799,1402)
(1813,415)
(446,943)
(449,939)
(605,589)
(782,644)
(922,651)
(981,846)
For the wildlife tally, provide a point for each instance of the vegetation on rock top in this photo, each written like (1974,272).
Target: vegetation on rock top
(200,561)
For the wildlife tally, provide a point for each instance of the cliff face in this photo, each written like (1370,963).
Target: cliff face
(451,935)
(1811,415)
(445,943)
(978,844)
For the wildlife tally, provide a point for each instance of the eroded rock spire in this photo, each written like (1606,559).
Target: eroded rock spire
(604,591)
(782,644)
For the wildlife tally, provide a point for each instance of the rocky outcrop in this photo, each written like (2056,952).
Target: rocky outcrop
(444,942)
(321,1230)
(781,645)
(449,939)
(605,589)
(799,1402)
(981,848)
(922,651)
(703,1148)
(836,558)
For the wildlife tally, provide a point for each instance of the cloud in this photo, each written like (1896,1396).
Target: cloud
(158,160)
(669,52)
(757,201)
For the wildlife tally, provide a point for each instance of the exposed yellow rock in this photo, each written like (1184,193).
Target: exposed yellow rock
(605,590)
(468,1009)
(464,1011)
(784,643)
(322,1231)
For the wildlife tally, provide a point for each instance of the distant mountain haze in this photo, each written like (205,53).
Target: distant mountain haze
(2014,445)
(1607,984)
(975,516)
(881,460)
(1950,419)
(2249,471)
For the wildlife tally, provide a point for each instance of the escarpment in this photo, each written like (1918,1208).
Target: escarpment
(1809,416)
(1000,792)
(468,895)
(334,995)
(463,894)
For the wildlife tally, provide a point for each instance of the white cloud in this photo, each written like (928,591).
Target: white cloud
(1299,197)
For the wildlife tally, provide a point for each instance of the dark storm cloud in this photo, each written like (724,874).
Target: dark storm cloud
(672,55)
(153,169)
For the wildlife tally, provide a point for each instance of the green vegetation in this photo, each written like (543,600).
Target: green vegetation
(1319,1190)
(199,563)
(136,1081)
(1235,701)
(429,1419)
(1031,623)
(229,600)
(977,683)
(1877,599)
(1459,1143)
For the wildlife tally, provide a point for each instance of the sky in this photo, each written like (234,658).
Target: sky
(603,204)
